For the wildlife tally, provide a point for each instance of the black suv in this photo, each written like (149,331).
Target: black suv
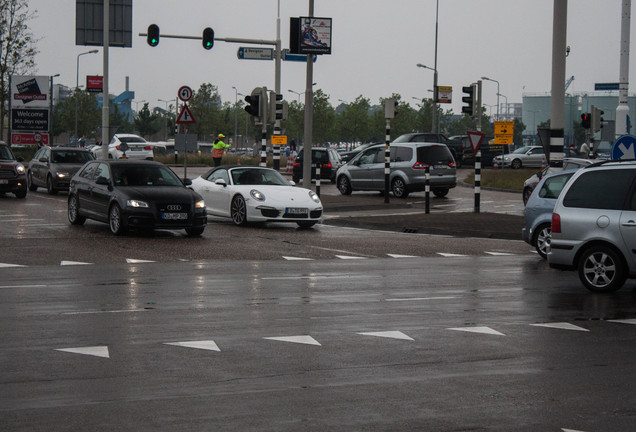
(12,173)
(455,146)
(329,159)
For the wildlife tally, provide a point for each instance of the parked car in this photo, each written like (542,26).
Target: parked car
(455,146)
(256,194)
(12,173)
(533,181)
(409,161)
(53,167)
(134,146)
(129,194)
(538,211)
(523,157)
(328,158)
(594,225)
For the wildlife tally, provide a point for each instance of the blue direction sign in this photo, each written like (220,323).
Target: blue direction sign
(296,57)
(606,86)
(624,147)
(247,53)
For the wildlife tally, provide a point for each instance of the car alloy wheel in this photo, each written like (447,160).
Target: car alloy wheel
(542,237)
(73,211)
(239,210)
(515,164)
(399,188)
(601,269)
(344,185)
(114,220)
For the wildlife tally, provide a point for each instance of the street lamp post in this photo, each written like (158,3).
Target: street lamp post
(77,84)
(296,93)
(490,79)
(235,116)
(51,109)
(166,101)
(245,138)
(434,110)
(503,96)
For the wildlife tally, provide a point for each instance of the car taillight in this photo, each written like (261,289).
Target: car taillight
(556,223)
(117,148)
(148,148)
(420,165)
(296,164)
(452,164)
(327,165)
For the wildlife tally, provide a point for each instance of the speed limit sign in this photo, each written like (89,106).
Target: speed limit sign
(185,93)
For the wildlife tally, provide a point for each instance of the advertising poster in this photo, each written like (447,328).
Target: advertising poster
(30,91)
(315,35)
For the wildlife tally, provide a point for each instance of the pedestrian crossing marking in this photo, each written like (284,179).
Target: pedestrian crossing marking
(97,351)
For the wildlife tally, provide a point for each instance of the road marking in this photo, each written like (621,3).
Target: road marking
(483,330)
(349,257)
(97,351)
(450,255)
(388,334)
(307,340)
(562,326)
(499,253)
(137,261)
(105,311)
(21,286)
(402,256)
(209,345)
(4,265)
(74,263)
(290,258)
(624,321)
(420,299)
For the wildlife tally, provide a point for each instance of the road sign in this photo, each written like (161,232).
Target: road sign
(185,93)
(29,119)
(606,86)
(279,139)
(248,53)
(624,147)
(475,139)
(504,132)
(444,94)
(296,57)
(29,138)
(185,116)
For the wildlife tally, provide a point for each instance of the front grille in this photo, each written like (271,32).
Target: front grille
(315,214)
(7,174)
(296,216)
(269,213)
(174,207)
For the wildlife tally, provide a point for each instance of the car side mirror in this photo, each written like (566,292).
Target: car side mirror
(187,182)
(220,182)
(101,180)
(291,182)
(43,160)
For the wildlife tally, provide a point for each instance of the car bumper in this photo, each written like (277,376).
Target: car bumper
(272,214)
(13,184)
(150,220)
(561,255)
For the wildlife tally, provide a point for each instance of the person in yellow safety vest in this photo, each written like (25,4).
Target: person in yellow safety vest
(218,149)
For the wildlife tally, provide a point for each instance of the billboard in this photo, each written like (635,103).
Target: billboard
(310,35)
(94,83)
(89,23)
(29,91)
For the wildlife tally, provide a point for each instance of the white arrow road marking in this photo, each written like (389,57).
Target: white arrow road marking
(484,330)
(64,263)
(2,265)
(348,257)
(561,325)
(624,321)
(290,258)
(97,351)
(499,253)
(450,255)
(388,334)
(209,345)
(571,430)
(402,256)
(308,340)
(137,261)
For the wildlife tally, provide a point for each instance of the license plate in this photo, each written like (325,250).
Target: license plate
(4,181)
(296,210)
(174,216)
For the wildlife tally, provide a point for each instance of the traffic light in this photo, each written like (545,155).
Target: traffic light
(208,38)
(278,108)
(257,105)
(153,35)
(253,104)
(596,119)
(585,121)
(469,108)
(390,108)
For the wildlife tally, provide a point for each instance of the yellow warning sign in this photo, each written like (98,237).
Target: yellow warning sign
(504,127)
(279,139)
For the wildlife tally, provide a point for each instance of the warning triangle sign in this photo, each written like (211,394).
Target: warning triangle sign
(185,116)
(475,139)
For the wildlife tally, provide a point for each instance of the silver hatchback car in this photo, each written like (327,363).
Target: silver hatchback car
(409,161)
(594,226)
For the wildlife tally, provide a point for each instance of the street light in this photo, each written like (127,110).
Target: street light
(77,84)
(245,138)
(503,96)
(433,122)
(297,93)
(51,109)
(166,101)
(137,104)
(490,79)
(235,118)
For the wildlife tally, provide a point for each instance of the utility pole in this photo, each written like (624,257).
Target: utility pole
(309,112)
(557,121)
(622,111)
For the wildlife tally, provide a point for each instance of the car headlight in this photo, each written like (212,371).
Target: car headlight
(257,195)
(19,168)
(314,197)
(200,204)
(61,174)
(137,203)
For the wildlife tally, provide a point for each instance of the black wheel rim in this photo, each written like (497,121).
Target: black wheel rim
(238,210)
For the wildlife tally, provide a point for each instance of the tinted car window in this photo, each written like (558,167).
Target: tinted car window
(88,171)
(434,155)
(102,171)
(71,156)
(554,185)
(401,154)
(605,189)
(220,174)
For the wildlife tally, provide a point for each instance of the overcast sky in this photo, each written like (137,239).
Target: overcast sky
(376,45)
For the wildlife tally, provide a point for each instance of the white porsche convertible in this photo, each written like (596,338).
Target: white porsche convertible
(256,194)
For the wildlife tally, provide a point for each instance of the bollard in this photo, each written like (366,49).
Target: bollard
(318,180)
(427,190)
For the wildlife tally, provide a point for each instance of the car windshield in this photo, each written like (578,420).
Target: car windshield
(132,139)
(137,175)
(71,157)
(256,176)
(522,150)
(6,153)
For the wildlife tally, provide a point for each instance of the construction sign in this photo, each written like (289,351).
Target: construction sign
(504,132)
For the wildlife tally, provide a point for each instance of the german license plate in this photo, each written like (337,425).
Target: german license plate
(296,210)
(174,216)
(4,181)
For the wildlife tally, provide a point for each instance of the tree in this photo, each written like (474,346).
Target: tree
(88,115)
(353,122)
(323,119)
(17,47)
(205,106)
(147,123)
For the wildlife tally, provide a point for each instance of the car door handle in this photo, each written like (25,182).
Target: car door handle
(629,223)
